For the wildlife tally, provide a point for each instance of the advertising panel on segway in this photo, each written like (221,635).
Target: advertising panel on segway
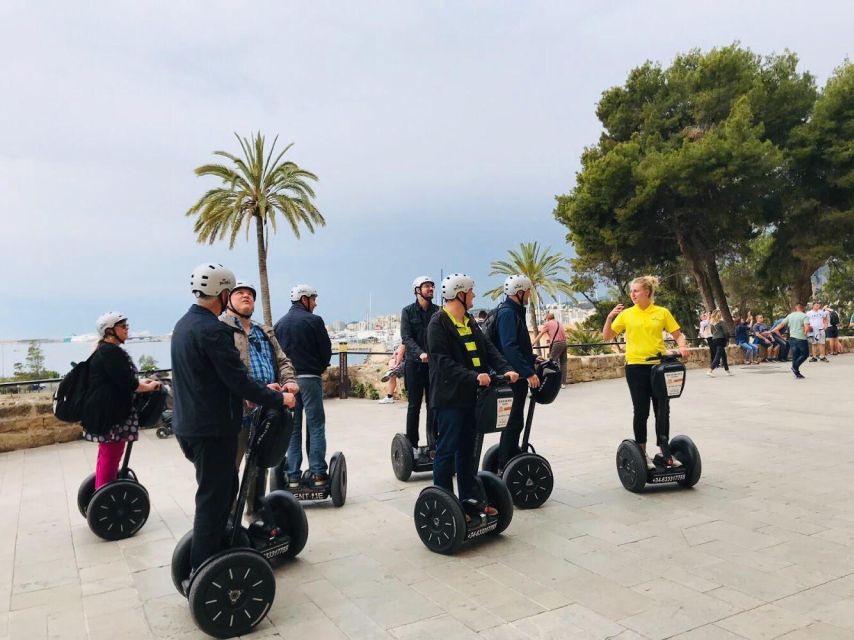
(668,381)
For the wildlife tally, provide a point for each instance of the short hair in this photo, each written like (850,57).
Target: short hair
(482,314)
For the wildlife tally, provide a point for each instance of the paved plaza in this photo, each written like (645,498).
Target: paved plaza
(761,548)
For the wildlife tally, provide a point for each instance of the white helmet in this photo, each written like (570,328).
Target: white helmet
(108,321)
(242,284)
(416,284)
(211,279)
(302,290)
(516,283)
(454,284)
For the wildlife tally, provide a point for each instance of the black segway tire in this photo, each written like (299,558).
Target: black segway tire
(338,479)
(499,497)
(440,521)
(289,516)
(118,510)
(490,459)
(232,592)
(530,480)
(684,449)
(181,564)
(631,466)
(402,460)
(85,493)
(128,474)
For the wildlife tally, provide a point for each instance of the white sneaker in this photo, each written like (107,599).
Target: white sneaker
(386,400)
(728,372)
(710,373)
(649,463)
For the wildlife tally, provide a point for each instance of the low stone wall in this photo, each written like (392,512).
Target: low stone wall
(28,421)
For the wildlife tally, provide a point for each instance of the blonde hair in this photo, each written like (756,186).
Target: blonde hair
(650,283)
(716,316)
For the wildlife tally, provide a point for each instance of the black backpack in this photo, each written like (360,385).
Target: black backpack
(490,324)
(71,393)
(834,318)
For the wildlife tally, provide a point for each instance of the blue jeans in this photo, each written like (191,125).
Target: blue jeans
(800,351)
(455,448)
(750,350)
(784,347)
(310,403)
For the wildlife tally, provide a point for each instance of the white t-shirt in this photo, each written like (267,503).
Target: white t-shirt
(816,319)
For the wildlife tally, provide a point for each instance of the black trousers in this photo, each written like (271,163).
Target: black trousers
(509,445)
(719,351)
(416,377)
(216,477)
(457,431)
(639,379)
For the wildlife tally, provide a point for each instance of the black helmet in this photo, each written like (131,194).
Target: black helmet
(551,377)
(272,435)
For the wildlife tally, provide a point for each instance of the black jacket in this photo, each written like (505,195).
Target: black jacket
(304,340)
(413,329)
(514,341)
(209,381)
(109,394)
(453,378)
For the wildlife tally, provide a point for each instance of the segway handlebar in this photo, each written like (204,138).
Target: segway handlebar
(670,356)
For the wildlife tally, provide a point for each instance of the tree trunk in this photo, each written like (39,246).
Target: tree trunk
(696,268)
(800,289)
(262,271)
(718,289)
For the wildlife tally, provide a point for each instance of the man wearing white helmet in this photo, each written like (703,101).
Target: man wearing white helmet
(263,357)
(210,383)
(304,338)
(414,319)
(514,342)
(461,358)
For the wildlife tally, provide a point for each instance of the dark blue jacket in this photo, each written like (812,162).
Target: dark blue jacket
(304,340)
(513,339)
(209,381)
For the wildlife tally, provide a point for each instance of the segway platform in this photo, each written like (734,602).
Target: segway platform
(335,487)
(406,460)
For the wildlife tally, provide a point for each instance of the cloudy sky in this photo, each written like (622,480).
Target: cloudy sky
(441,132)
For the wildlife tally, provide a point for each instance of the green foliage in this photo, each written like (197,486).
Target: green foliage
(147,363)
(357,390)
(698,160)
(582,335)
(258,186)
(34,361)
(371,392)
(545,269)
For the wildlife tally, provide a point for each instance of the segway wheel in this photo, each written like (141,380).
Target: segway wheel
(402,460)
(440,521)
(684,449)
(530,480)
(289,516)
(499,497)
(118,510)
(129,474)
(490,459)
(85,493)
(181,565)
(631,466)
(232,592)
(338,479)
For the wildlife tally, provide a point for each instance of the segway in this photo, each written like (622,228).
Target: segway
(406,459)
(232,591)
(668,381)
(335,487)
(528,475)
(120,508)
(440,518)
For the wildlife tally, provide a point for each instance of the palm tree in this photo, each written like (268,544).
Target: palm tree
(541,266)
(257,187)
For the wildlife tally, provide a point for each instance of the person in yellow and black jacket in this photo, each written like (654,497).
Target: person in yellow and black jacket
(461,358)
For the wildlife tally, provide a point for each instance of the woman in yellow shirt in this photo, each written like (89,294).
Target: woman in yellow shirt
(644,324)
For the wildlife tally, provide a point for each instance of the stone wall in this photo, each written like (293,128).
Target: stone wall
(28,421)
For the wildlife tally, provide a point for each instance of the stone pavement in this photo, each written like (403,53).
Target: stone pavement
(761,548)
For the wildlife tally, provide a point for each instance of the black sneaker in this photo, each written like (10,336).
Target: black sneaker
(823,359)
(293,482)
(812,359)
(319,479)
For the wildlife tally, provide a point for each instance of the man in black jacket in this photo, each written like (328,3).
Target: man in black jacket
(304,339)
(461,358)
(210,383)
(413,332)
(514,343)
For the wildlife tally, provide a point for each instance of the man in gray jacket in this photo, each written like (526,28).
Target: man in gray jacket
(264,359)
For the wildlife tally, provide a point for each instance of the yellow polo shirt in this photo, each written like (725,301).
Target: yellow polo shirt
(464,330)
(644,331)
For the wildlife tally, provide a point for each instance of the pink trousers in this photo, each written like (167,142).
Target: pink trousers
(107,468)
